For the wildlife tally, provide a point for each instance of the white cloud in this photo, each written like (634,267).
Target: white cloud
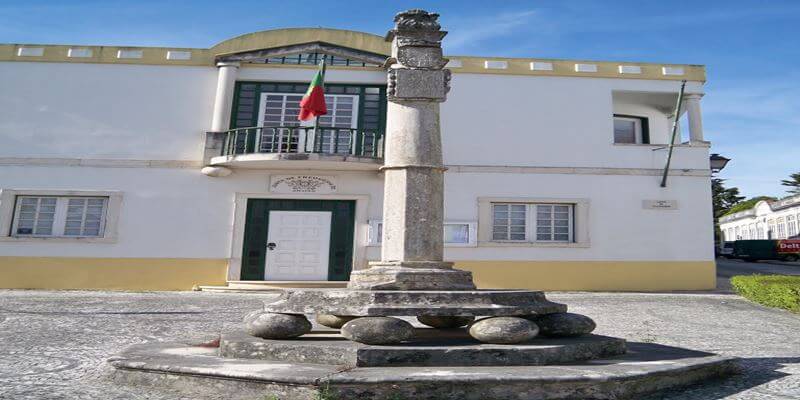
(471,31)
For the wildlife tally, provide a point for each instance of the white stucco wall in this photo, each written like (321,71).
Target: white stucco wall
(104,111)
(161,112)
(183,214)
(53,110)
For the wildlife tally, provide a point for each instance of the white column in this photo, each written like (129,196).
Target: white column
(226,81)
(692,102)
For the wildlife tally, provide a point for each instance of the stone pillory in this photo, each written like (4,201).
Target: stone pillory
(474,330)
(412,278)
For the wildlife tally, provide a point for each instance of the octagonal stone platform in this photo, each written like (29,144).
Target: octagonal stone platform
(430,347)
(644,369)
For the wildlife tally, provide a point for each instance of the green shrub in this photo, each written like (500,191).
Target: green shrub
(781,291)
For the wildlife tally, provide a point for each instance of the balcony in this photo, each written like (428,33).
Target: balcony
(289,147)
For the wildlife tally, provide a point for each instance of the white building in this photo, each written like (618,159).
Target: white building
(164,168)
(766,220)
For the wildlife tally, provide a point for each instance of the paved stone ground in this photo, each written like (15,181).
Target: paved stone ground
(54,344)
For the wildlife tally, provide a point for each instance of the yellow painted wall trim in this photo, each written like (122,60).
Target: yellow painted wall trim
(593,275)
(110,273)
(352,39)
(184,273)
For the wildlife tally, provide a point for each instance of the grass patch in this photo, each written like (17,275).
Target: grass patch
(781,291)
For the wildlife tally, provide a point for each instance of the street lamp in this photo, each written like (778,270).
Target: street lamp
(717,162)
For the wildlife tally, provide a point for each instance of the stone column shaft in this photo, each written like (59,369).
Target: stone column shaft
(413,173)
(226,81)
(695,117)
(413,205)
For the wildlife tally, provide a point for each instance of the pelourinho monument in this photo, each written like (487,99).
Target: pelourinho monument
(468,343)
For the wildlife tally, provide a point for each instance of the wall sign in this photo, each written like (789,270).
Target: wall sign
(302,184)
(660,204)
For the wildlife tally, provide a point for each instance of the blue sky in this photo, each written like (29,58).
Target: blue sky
(750,48)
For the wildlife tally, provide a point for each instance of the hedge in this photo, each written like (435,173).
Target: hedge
(781,291)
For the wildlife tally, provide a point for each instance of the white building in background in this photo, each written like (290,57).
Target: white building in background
(766,220)
(165,168)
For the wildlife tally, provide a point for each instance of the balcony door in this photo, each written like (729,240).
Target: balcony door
(283,133)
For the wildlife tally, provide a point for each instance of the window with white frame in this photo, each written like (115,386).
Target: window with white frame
(791,225)
(781,229)
(279,111)
(630,129)
(519,222)
(735,233)
(456,234)
(752,231)
(59,216)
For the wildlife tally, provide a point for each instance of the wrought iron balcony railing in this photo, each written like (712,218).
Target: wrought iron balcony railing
(299,139)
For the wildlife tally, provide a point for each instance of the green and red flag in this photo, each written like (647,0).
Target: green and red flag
(313,103)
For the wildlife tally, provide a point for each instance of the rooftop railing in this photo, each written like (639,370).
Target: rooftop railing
(299,139)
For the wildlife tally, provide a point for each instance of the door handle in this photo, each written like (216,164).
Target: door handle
(271,246)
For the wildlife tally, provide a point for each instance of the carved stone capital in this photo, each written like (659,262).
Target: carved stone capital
(417,40)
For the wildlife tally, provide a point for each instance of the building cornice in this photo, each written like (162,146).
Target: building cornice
(179,56)
(452,168)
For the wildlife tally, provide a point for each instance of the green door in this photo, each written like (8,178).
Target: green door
(340,259)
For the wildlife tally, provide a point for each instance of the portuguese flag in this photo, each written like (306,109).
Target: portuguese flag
(313,103)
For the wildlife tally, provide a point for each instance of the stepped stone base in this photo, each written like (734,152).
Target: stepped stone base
(644,369)
(429,348)
(365,303)
(420,275)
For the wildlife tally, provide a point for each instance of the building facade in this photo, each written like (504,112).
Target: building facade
(167,168)
(766,220)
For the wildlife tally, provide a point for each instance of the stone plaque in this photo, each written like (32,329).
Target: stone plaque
(660,204)
(421,57)
(302,184)
(419,84)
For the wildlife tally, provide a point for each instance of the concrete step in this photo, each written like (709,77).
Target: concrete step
(269,286)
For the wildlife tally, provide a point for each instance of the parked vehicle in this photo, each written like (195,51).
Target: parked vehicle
(754,250)
(726,250)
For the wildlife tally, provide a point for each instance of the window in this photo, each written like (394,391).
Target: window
(631,129)
(752,230)
(781,229)
(532,222)
(771,229)
(791,225)
(735,234)
(280,110)
(54,216)
(456,234)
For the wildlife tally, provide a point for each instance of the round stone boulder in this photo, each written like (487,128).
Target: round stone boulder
(444,322)
(564,324)
(377,330)
(333,321)
(268,325)
(503,330)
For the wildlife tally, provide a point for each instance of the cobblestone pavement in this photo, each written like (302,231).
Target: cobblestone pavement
(54,344)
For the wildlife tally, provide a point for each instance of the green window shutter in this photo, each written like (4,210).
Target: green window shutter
(255,240)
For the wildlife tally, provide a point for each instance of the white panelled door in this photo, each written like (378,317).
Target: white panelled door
(298,243)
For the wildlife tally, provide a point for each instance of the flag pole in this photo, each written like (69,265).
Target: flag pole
(317,136)
(675,123)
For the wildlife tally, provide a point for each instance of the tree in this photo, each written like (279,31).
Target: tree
(723,198)
(793,183)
